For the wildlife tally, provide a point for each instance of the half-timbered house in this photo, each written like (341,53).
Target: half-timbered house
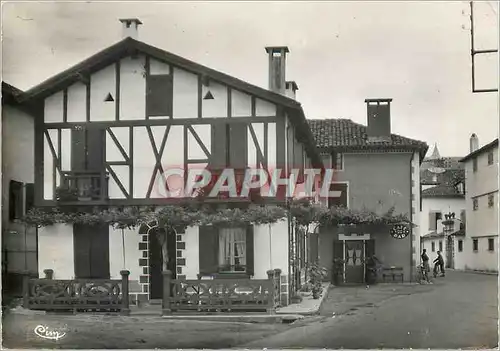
(110,127)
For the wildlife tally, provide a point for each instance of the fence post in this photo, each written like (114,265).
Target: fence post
(167,281)
(125,311)
(270,298)
(26,287)
(277,276)
(49,273)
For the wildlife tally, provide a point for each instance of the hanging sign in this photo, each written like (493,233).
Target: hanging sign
(400,231)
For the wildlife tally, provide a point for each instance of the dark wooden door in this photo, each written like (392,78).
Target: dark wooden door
(450,254)
(354,261)
(156,261)
(91,251)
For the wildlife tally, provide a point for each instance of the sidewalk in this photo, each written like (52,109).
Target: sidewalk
(308,306)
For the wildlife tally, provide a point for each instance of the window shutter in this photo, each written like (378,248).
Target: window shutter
(77,149)
(81,244)
(95,147)
(250,251)
(209,249)
(432,221)
(30,196)
(338,249)
(159,97)
(99,251)
(370,248)
(238,145)
(313,247)
(218,157)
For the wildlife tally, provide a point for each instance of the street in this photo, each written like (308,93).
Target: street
(458,311)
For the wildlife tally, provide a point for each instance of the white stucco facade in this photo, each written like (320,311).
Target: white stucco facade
(481,246)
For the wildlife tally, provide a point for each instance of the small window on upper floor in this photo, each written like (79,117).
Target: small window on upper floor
(475,204)
(491,244)
(491,200)
(338,161)
(474,164)
(490,158)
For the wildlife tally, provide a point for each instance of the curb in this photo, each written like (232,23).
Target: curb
(475,272)
(268,319)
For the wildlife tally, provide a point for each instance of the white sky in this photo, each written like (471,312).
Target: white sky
(417,53)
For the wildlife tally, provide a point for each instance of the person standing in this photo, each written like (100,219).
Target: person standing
(425,263)
(439,263)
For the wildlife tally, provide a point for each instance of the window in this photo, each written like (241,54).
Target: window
(460,188)
(460,245)
(463,219)
(475,204)
(474,245)
(232,249)
(433,246)
(491,244)
(338,163)
(490,158)
(434,216)
(16,206)
(341,200)
(440,246)
(491,200)
(474,164)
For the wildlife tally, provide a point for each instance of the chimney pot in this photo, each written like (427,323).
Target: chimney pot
(130,27)
(290,89)
(379,119)
(474,142)
(277,68)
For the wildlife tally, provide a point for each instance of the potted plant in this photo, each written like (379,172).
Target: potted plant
(373,266)
(316,275)
(65,193)
(337,271)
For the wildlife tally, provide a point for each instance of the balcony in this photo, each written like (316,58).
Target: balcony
(83,187)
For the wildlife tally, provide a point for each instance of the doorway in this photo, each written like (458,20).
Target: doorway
(354,261)
(156,261)
(450,253)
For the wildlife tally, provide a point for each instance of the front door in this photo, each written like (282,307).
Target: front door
(354,261)
(156,261)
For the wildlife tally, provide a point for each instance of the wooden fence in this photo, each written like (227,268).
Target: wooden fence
(103,295)
(221,294)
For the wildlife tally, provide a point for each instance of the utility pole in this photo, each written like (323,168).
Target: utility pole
(475,52)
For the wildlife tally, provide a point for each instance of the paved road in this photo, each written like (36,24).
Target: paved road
(458,311)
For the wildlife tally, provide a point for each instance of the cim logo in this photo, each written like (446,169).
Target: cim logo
(45,333)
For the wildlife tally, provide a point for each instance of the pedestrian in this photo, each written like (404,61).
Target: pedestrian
(439,263)
(425,263)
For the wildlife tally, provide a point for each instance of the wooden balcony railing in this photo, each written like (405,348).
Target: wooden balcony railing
(78,295)
(222,295)
(83,186)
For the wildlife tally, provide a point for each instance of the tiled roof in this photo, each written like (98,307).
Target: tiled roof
(444,162)
(448,177)
(346,134)
(442,190)
(431,235)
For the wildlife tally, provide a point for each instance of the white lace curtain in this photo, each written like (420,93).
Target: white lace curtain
(232,247)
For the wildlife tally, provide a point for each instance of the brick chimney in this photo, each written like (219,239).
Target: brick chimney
(290,89)
(130,27)
(379,119)
(277,64)
(474,142)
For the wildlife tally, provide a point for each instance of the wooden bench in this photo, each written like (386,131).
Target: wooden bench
(394,272)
